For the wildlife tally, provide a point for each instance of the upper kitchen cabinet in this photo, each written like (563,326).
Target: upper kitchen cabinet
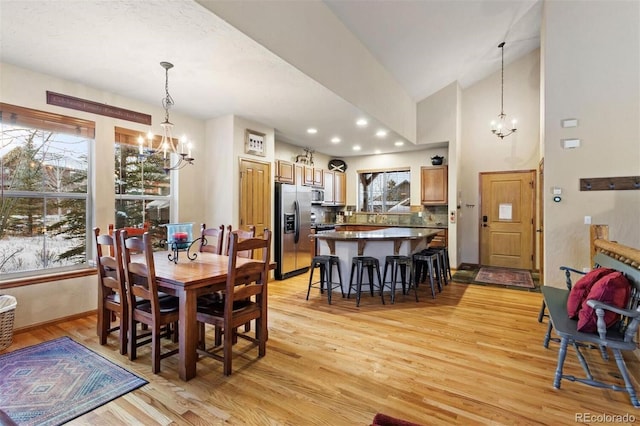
(335,189)
(434,185)
(313,176)
(329,177)
(340,189)
(285,171)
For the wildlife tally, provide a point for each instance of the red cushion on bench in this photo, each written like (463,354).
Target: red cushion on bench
(613,289)
(580,290)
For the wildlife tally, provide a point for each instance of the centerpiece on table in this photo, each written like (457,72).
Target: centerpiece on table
(180,238)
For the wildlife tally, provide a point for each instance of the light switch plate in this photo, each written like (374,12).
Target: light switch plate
(569,122)
(570,143)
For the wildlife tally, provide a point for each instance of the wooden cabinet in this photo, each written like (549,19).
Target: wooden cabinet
(335,188)
(285,171)
(434,185)
(313,176)
(318,177)
(299,174)
(440,240)
(340,189)
(329,184)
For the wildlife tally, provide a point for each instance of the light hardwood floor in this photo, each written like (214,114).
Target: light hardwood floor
(472,356)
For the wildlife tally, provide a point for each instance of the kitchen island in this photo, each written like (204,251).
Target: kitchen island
(377,243)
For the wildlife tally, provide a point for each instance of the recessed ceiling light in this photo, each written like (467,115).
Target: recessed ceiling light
(312,131)
(381,133)
(356,148)
(336,140)
(377,151)
(398,143)
(362,122)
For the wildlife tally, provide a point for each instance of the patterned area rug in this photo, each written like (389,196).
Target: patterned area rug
(505,276)
(56,381)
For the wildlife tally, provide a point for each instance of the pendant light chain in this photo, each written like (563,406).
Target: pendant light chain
(500,128)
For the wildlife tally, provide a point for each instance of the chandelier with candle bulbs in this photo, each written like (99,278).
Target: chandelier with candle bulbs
(502,128)
(175,154)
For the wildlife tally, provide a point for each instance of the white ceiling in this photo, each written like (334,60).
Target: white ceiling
(117,46)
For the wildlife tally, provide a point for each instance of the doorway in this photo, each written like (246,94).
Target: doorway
(507,201)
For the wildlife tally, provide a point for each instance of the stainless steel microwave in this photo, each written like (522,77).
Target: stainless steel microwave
(317,196)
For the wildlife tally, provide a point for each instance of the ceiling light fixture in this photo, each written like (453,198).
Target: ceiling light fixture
(312,131)
(356,148)
(381,133)
(168,146)
(361,122)
(335,140)
(500,128)
(398,143)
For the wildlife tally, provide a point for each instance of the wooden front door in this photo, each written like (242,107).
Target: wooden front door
(506,219)
(255,195)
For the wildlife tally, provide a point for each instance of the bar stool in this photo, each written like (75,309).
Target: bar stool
(357,264)
(325,263)
(443,271)
(431,261)
(395,263)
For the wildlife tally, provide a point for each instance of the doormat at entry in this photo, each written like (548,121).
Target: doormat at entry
(469,273)
(56,381)
(505,276)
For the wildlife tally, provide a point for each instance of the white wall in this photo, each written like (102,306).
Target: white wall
(21,87)
(482,151)
(592,73)
(225,147)
(439,118)
(310,37)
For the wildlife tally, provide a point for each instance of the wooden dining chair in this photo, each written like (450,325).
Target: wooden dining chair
(245,299)
(112,299)
(132,231)
(250,232)
(212,239)
(158,313)
(243,234)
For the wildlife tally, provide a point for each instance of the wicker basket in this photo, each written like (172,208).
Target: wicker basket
(7,315)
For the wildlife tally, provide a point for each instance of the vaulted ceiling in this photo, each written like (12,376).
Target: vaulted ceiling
(117,46)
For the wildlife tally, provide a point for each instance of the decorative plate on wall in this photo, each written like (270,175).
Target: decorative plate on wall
(337,165)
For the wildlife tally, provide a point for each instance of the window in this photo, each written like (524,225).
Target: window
(381,191)
(143,189)
(45,198)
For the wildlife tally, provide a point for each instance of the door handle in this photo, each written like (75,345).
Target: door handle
(296,236)
(484,225)
(538,230)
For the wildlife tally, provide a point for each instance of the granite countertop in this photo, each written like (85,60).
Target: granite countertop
(392,233)
(427,226)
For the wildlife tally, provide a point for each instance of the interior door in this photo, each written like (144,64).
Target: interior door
(540,230)
(506,221)
(255,196)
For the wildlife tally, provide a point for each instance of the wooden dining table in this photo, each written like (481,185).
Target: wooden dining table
(188,279)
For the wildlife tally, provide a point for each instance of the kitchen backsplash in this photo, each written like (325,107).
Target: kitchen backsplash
(420,215)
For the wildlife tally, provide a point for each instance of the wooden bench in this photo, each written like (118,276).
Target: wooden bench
(618,338)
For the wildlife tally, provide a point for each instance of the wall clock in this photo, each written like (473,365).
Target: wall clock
(337,165)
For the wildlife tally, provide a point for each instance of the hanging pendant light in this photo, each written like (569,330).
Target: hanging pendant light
(501,128)
(167,147)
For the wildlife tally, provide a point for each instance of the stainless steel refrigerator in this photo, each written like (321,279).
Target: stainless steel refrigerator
(292,230)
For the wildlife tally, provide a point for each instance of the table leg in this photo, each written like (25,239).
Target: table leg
(187,334)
